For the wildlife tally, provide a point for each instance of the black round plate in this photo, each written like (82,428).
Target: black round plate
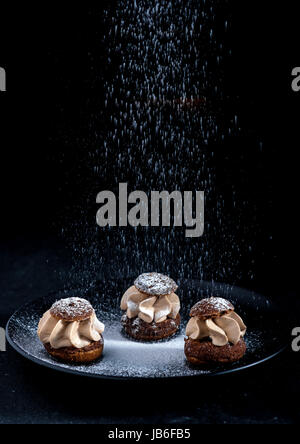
(267,333)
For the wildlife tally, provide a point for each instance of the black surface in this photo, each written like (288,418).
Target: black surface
(46,116)
(32,394)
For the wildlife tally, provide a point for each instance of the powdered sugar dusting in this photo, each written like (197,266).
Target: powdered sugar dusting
(155,284)
(211,307)
(72,308)
(220,304)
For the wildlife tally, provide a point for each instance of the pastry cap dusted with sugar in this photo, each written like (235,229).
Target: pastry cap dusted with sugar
(155,284)
(212,307)
(72,309)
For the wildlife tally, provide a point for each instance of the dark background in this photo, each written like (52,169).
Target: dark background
(50,99)
(46,112)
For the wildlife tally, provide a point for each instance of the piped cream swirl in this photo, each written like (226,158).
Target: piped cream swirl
(78,334)
(150,308)
(229,328)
